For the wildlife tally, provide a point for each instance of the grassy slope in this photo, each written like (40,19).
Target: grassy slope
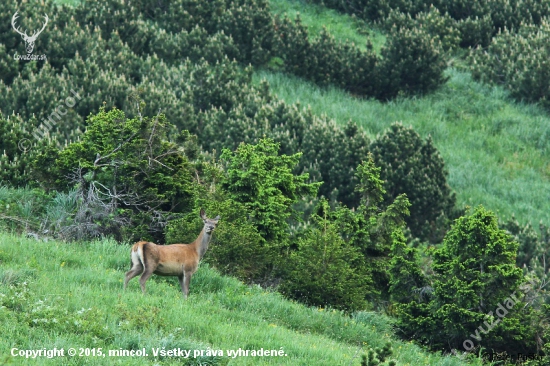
(489,144)
(497,152)
(221,313)
(67,2)
(343,27)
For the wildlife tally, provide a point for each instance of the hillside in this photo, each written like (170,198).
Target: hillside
(61,295)
(366,169)
(497,151)
(316,17)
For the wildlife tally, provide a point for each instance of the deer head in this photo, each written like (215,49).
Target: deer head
(29,40)
(209,224)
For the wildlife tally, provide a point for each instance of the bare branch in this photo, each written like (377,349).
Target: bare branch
(99,158)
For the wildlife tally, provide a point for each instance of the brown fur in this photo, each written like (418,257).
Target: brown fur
(181,260)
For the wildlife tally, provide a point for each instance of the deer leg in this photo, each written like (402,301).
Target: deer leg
(181,279)
(133,272)
(144,277)
(186,281)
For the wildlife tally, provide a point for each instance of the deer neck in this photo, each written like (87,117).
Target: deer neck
(201,243)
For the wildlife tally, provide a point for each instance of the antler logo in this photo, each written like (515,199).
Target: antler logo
(29,40)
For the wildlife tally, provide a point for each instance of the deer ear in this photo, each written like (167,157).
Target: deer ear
(217,218)
(203,214)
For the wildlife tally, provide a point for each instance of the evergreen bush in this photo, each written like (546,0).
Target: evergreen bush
(127,173)
(438,26)
(413,166)
(325,270)
(474,275)
(412,63)
(264,182)
(518,61)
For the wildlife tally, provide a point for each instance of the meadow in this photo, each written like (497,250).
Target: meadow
(55,294)
(63,295)
(497,151)
(343,27)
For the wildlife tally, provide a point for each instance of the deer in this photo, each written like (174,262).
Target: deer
(181,260)
(29,41)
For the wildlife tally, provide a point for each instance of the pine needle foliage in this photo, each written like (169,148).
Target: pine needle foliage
(128,173)
(474,273)
(413,166)
(262,180)
(518,61)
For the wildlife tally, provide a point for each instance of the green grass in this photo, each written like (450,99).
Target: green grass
(497,151)
(70,295)
(67,2)
(342,26)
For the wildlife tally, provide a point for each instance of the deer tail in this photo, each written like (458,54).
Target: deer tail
(137,254)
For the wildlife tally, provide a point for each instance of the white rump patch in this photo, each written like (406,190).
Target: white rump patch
(137,256)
